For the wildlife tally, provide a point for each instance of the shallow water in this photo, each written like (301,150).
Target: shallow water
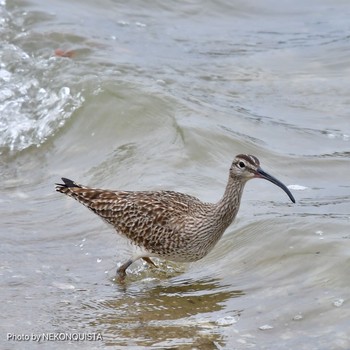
(164,96)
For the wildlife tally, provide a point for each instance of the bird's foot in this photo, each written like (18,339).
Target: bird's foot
(121,274)
(121,271)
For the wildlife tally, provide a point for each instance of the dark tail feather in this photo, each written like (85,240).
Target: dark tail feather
(67,184)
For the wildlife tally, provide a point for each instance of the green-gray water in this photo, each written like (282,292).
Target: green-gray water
(163,95)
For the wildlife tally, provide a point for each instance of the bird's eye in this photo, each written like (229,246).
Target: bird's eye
(241,165)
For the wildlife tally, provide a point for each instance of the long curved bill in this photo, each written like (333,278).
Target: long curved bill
(263,175)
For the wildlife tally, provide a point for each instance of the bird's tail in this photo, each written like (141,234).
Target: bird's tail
(82,194)
(67,186)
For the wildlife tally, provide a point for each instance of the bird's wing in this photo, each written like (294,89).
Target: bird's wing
(163,207)
(144,217)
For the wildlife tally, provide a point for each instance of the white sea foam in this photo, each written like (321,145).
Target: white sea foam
(34,103)
(297,187)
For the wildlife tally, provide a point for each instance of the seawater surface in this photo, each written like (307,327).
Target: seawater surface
(163,95)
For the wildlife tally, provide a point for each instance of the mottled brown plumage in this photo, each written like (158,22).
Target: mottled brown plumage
(168,224)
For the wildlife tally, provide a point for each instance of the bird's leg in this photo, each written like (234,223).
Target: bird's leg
(149,261)
(121,271)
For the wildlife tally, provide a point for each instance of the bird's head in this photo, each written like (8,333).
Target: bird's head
(246,167)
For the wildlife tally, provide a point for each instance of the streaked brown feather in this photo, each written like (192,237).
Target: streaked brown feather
(170,224)
(145,217)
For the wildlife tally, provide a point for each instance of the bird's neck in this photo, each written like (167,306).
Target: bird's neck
(224,212)
(228,205)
